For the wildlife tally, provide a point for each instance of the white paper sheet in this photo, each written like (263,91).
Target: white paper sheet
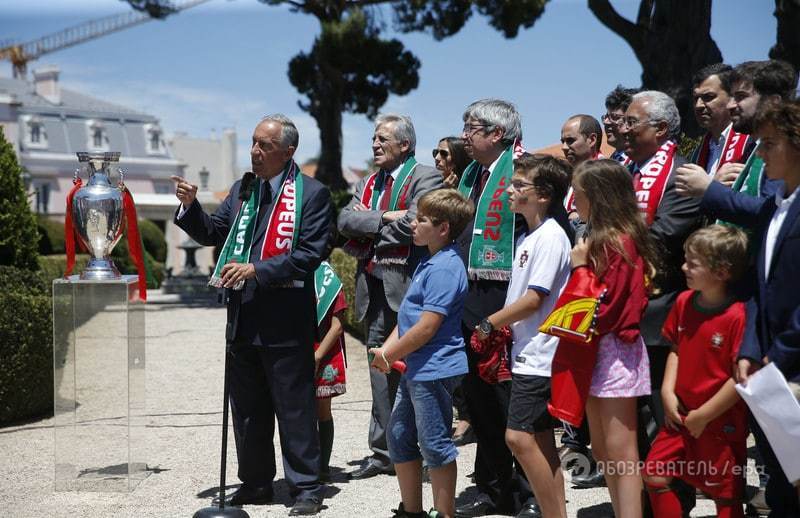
(778,413)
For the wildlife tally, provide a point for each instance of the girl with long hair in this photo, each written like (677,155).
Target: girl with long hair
(619,250)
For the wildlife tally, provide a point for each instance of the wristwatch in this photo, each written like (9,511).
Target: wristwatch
(485,326)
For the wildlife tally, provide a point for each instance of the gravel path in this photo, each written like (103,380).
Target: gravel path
(184,392)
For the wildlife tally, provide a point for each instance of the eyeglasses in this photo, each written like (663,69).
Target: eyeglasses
(631,122)
(614,118)
(519,185)
(436,152)
(470,129)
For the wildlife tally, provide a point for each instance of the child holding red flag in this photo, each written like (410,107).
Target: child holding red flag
(703,441)
(620,252)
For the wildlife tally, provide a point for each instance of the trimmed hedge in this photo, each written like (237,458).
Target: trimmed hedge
(53,267)
(26,345)
(153,240)
(51,235)
(345,267)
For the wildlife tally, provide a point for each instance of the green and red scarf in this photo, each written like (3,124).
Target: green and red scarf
(750,179)
(732,150)
(491,252)
(362,248)
(327,286)
(282,228)
(650,181)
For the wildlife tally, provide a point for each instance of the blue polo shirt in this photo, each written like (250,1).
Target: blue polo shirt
(439,285)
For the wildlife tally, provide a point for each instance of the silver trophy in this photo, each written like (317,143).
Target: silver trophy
(98,215)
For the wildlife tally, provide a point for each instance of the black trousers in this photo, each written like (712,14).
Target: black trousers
(780,493)
(497,474)
(268,383)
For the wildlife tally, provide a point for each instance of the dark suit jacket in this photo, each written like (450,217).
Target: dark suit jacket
(777,297)
(268,315)
(677,217)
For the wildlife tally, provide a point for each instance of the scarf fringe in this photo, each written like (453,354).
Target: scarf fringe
(490,275)
(331,390)
(391,261)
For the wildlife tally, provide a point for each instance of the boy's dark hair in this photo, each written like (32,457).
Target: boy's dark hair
(620,98)
(775,77)
(721,70)
(446,205)
(550,175)
(720,247)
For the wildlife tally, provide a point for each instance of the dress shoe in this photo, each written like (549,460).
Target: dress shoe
(249,495)
(370,469)
(589,480)
(306,506)
(757,505)
(477,508)
(530,510)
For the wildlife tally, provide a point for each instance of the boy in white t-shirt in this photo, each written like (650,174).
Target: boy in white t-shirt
(540,272)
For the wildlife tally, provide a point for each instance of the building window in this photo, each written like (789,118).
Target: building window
(154,143)
(42,198)
(98,137)
(163,187)
(34,133)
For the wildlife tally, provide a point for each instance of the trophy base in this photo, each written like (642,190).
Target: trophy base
(100,269)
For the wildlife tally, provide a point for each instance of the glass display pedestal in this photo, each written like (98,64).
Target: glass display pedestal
(99,384)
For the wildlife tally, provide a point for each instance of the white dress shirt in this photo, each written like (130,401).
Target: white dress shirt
(775,225)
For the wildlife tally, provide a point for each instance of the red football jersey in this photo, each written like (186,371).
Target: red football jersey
(708,343)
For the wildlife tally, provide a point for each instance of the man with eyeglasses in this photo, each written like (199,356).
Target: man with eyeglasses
(617,101)
(492,127)
(378,222)
(649,129)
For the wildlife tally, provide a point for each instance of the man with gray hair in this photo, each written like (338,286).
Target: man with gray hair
(649,131)
(378,222)
(492,127)
(274,228)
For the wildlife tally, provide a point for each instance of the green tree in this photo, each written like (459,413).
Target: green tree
(349,68)
(19,238)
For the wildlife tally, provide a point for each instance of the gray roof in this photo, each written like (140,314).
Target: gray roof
(71,102)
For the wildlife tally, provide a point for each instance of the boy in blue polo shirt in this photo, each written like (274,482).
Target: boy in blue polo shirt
(428,336)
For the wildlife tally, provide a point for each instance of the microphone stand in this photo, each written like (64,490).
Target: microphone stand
(221,511)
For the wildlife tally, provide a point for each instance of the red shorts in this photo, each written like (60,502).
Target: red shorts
(714,463)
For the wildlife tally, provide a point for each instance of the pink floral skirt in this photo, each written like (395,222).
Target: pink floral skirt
(622,368)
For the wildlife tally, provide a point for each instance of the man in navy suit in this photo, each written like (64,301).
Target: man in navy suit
(775,230)
(271,318)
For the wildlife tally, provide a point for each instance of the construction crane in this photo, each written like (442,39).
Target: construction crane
(21,54)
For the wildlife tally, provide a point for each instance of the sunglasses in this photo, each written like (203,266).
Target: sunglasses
(436,152)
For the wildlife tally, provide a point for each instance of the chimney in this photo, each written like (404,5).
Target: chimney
(45,80)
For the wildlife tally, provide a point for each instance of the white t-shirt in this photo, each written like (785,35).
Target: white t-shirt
(541,263)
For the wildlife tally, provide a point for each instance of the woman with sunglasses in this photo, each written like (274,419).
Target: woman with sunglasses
(451,160)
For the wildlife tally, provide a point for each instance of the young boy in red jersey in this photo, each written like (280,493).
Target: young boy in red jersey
(703,440)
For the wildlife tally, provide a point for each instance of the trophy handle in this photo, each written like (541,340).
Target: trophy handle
(121,183)
(76,175)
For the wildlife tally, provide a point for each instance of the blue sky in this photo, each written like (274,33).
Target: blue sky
(224,64)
